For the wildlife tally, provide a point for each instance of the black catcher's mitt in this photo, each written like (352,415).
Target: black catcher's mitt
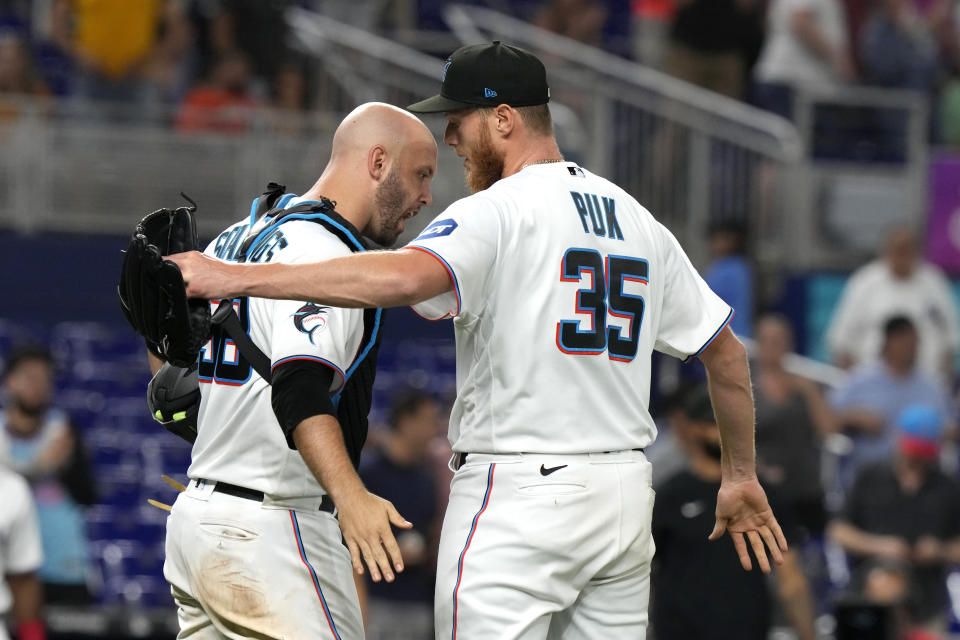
(152,294)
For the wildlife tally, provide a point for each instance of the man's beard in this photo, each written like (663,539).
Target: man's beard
(389,198)
(34,410)
(486,166)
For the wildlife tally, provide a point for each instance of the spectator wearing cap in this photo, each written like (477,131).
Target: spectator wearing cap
(38,441)
(906,512)
(869,401)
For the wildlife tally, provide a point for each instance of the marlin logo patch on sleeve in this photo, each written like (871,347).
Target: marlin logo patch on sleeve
(438,229)
(310,318)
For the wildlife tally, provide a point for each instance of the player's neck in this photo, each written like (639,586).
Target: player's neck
(342,193)
(540,150)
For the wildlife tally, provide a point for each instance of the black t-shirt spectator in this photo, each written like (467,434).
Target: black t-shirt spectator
(715,25)
(412,492)
(699,590)
(878,505)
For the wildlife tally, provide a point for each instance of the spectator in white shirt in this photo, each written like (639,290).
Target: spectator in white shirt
(806,44)
(900,282)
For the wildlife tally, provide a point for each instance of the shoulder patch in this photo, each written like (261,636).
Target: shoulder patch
(310,318)
(437,229)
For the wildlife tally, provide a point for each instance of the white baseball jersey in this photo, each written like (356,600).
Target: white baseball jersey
(563,287)
(20,550)
(239,440)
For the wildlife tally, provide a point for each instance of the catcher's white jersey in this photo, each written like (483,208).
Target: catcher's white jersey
(564,285)
(239,440)
(20,549)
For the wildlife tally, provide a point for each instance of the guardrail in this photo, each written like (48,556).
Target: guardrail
(689,155)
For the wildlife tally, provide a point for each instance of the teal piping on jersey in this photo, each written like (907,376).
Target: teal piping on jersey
(473,530)
(712,338)
(313,575)
(281,203)
(453,277)
(356,363)
(311,216)
(285,199)
(324,361)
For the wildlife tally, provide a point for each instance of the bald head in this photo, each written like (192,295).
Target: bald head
(902,251)
(381,164)
(378,124)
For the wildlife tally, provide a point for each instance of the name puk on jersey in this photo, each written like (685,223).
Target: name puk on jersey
(310,318)
(437,229)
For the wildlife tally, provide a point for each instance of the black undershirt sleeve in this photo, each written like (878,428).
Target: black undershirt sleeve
(301,390)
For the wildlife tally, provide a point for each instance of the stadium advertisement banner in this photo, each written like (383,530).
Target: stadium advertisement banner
(943,225)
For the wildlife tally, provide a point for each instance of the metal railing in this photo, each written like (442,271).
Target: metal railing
(866,171)
(692,155)
(689,155)
(65,173)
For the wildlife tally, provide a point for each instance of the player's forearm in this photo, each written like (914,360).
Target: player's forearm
(320,443)
(373,279)
(728,378)
(27,597)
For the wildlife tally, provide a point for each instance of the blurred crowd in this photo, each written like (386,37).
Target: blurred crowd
(861,469)
(193,64)
(862,472)
(765,51)
(207,64)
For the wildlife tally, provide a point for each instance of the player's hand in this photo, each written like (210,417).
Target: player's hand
(743,510)
(365,522)
(205,277)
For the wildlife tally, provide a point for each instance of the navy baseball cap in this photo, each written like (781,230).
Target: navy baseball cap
(487,75)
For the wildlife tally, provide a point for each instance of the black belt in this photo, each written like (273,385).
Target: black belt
(462,457)
(326,503)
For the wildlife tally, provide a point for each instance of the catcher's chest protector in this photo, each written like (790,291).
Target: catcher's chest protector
(354,399)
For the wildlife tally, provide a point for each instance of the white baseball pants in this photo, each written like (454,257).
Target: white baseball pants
(241,569)
(541,546)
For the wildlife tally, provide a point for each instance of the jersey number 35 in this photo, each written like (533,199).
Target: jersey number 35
(604,294)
